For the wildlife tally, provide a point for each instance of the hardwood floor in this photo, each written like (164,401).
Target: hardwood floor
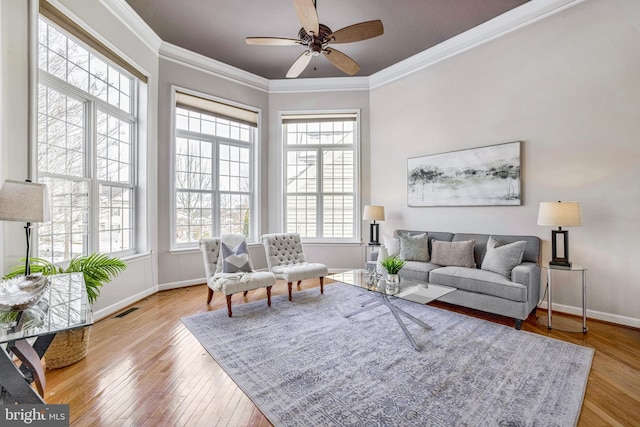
(146,369)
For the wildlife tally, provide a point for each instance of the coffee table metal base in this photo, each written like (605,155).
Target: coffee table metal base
(383,299)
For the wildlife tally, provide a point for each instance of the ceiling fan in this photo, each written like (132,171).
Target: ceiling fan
(316,38)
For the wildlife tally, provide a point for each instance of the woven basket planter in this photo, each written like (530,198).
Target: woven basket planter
(67,348)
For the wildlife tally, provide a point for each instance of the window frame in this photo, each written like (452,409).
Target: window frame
(282,160)
(92,106)
(254,147)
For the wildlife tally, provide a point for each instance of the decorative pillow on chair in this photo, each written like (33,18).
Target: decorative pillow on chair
(392,244)
(458,254)
(501,258)
(235,260)
(414,248)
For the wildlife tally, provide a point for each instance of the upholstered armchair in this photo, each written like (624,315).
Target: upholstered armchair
(229,269)
(285,258)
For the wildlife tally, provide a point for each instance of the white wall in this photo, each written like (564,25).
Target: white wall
(15,124)
(569,87)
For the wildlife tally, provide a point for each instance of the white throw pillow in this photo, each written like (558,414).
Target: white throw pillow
(382,254)
(392,244)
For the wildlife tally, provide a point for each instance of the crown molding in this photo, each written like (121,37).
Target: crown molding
(512,20)
(325,84)
(125,13)
(183,56)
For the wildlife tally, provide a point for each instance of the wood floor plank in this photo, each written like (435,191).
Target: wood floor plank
(147,369)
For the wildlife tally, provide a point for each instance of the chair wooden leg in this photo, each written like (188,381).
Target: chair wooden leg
(322,285)
(269,296)
(229,305)
(290,285)
(299,281)
(245,293)
(209,295)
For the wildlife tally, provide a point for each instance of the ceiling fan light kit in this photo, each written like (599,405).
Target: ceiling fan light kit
(315,37)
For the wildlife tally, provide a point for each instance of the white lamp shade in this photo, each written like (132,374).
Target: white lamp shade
(24,201)
(560,214)
(373,213)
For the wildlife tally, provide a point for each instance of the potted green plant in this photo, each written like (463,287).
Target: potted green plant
(392,265)
(97,269)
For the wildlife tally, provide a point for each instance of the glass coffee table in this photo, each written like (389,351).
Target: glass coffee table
(411,290)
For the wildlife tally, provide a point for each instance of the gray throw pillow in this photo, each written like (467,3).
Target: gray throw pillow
(414,248)
(501,258)
(235,260)
(459,254)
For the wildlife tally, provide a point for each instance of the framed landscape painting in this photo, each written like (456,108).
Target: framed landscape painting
(485,176)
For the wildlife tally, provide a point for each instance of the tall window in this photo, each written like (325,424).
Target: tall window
(213,170)
(85,150)
(320,153)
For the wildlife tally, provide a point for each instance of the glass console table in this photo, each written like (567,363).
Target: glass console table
(63,306)
(564,324)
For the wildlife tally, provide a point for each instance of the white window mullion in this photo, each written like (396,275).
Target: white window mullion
(94,193)
(319,195)
(215,197)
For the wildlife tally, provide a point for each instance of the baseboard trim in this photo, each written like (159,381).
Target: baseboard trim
(181,284)
(594,314)
(114,308)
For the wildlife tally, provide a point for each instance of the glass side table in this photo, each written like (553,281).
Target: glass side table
(564,324)
(63,306)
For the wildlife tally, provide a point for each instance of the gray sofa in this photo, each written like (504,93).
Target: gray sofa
(515,296)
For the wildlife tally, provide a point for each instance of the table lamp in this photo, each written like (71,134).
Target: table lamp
(560,214)
(25,202)
(373,213)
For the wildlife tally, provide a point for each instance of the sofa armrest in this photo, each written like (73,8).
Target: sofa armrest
(528,274)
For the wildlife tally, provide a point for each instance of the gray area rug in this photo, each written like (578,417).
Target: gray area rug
(304,364)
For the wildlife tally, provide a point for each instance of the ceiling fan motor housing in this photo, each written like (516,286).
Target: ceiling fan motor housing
(317,43)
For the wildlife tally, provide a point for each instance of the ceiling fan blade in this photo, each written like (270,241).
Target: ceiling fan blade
(272,41)
(357,32)
(299,65)
(307,15)
(341,61)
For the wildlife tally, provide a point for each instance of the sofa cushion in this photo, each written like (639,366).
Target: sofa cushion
(501,258)
(453,253)
(417,270)
(414,248)
(480,281)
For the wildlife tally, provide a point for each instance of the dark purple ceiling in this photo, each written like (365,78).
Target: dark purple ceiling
(217,29)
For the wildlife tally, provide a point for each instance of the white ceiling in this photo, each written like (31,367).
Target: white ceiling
(217,29)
